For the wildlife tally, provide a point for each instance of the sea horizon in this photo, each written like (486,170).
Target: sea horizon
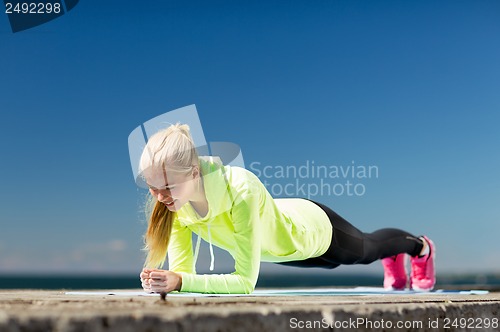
(490,281)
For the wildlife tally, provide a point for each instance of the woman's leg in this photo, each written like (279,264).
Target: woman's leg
(351,246)
(311,262)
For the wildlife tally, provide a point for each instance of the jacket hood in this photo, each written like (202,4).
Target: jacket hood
(217,192)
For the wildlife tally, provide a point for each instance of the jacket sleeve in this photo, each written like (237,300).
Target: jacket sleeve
(245,216)
(180,249)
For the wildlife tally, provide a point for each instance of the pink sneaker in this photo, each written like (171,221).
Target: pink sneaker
(423,276)
(395,272)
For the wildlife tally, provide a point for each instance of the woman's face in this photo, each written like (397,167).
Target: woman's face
(172,188)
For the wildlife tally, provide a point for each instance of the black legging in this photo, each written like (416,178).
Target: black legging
(351,246)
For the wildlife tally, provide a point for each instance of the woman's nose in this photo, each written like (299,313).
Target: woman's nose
(160,197)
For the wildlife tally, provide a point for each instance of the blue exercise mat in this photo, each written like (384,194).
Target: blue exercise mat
(361,291)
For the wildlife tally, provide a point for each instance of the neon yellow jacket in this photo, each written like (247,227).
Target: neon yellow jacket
(246,221)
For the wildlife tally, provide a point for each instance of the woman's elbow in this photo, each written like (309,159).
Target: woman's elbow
(248,286)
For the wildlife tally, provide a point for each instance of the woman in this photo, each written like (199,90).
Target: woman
(231,208)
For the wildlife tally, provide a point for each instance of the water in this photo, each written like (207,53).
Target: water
(483,281)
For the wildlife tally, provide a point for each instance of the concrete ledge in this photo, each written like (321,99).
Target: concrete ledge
(25,310)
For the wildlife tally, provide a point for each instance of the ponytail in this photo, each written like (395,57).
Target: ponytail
(157,234)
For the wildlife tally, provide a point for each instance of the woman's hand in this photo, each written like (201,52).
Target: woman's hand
(157,281)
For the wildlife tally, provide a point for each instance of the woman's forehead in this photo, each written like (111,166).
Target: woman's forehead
(160,176)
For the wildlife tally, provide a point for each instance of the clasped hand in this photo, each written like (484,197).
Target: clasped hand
(157,281)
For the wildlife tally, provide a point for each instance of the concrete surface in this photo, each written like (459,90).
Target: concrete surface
(31,310)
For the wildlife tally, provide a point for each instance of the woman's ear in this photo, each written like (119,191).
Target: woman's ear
(196,171)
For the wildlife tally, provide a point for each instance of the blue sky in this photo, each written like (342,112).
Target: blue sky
(410,87)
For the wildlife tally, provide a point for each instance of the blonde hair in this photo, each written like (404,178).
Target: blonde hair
(171,148)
